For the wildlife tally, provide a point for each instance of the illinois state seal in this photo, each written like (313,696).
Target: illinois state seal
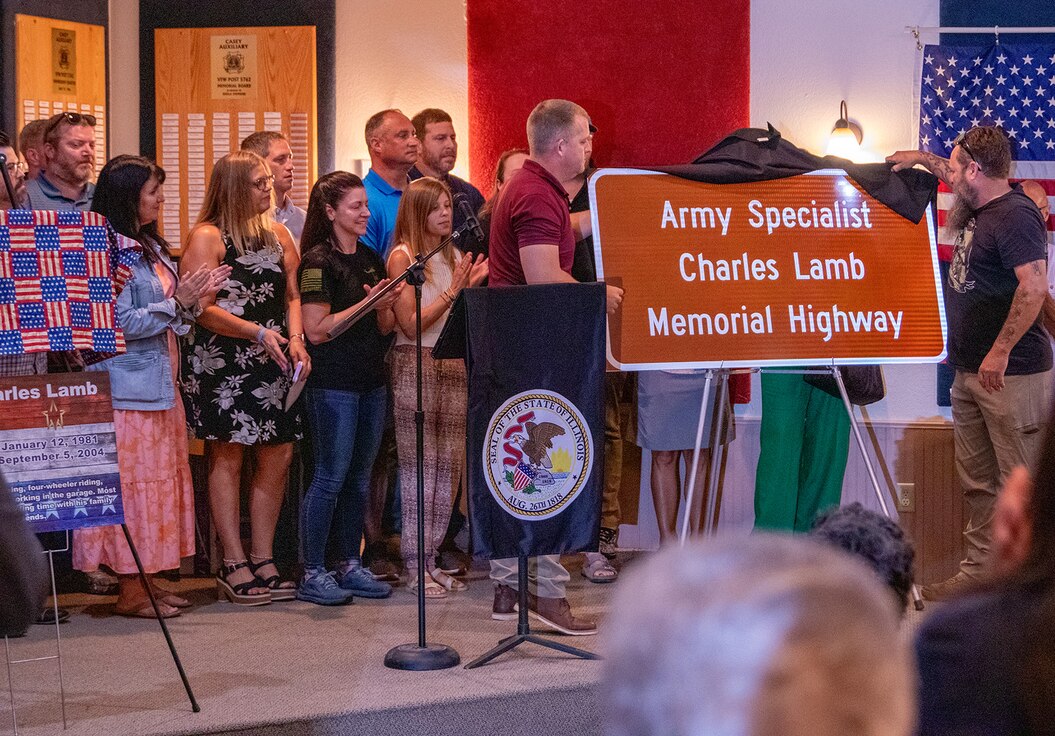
(537,457)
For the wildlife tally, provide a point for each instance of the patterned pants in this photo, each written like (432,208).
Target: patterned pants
(444,401)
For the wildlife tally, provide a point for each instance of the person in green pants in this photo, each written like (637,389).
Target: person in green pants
(805,439)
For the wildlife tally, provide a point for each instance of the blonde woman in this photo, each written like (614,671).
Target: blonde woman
(423,221)
(236,370)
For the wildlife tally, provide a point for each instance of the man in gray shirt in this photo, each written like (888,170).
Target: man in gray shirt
(65,182)
(274,148)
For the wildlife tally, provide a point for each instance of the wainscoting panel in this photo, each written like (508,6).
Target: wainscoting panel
(917,453)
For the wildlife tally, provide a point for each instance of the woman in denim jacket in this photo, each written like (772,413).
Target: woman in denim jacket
(149,421)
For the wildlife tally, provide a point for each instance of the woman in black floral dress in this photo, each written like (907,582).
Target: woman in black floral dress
(236,370)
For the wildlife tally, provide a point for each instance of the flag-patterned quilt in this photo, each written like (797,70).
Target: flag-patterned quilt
(60,273)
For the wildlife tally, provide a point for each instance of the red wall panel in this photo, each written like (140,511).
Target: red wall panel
(662,81)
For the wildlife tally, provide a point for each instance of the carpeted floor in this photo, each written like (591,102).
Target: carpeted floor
(297,668)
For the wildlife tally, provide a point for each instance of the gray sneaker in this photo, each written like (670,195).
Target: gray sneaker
(360,582)
(321,588)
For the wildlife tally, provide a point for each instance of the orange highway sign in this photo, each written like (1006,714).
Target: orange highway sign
(807,270)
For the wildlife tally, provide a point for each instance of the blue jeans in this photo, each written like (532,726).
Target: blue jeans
(346,431)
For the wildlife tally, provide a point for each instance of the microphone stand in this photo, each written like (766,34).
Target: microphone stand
(7,183)
(422,655)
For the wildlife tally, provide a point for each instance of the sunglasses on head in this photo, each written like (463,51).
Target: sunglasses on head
(73,118)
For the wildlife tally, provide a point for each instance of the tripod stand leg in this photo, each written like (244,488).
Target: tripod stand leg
(161,622)
(684,534)
(917,601)
(58,632)
(11,687)
(507,644)
(566,648)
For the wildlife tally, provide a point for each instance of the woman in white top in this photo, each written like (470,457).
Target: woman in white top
(423,221)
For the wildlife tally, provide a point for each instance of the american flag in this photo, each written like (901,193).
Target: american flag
(60,272)
(1012,87)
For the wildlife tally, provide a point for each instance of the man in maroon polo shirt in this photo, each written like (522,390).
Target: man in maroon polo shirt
(533,242)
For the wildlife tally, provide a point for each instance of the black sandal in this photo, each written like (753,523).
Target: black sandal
(239,592)
(279,591)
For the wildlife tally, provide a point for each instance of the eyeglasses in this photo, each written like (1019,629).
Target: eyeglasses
(263,183)
(73,118)
(14,167)
(961,141)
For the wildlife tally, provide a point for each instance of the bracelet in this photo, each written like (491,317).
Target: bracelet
(260,335)
(298,336)
(447,295)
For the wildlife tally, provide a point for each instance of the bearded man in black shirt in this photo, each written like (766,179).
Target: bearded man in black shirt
(997,282)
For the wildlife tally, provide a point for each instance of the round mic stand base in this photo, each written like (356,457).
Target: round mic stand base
(420,659)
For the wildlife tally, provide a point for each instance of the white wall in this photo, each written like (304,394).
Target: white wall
(410,55)
(124,77)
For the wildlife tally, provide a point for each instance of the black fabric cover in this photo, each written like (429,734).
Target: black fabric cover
(753,154)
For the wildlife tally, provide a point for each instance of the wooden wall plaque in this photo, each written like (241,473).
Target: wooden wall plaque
(215,86)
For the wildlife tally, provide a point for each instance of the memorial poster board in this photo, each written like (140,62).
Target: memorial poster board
(58,449)
(806,270)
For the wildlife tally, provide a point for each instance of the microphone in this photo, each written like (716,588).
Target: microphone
(470,223)
(7,182)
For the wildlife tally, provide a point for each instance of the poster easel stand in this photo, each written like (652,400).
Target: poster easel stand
(58,635)
(54,591)
(58,646)
(713,471)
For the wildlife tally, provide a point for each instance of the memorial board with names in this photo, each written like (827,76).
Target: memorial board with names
(215,86)
(61,67)
(58,449)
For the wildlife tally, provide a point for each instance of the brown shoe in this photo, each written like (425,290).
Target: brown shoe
(384,570)
(556,613)
(955,586)
(505,605)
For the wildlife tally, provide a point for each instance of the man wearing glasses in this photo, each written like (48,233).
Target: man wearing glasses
(65,182)
(997,284)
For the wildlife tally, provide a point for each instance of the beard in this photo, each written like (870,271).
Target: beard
(959,215)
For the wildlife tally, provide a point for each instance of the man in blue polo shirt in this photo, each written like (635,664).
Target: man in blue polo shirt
(393,150)
(64,183)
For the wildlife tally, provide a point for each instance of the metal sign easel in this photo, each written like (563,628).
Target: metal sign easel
(717,448)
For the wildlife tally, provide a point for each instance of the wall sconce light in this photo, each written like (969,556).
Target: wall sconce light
(845,138)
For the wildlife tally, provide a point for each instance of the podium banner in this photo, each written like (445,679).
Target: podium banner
(802,270)
(535,434)
(58,449)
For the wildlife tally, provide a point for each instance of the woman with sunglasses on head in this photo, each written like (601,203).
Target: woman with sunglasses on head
(154,307)
(346,397)
(238,365)
(423,221)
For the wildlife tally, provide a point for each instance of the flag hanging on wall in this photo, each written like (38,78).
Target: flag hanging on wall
(1012,87)
(1009,86)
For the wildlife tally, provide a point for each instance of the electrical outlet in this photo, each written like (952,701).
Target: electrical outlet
(906,497)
